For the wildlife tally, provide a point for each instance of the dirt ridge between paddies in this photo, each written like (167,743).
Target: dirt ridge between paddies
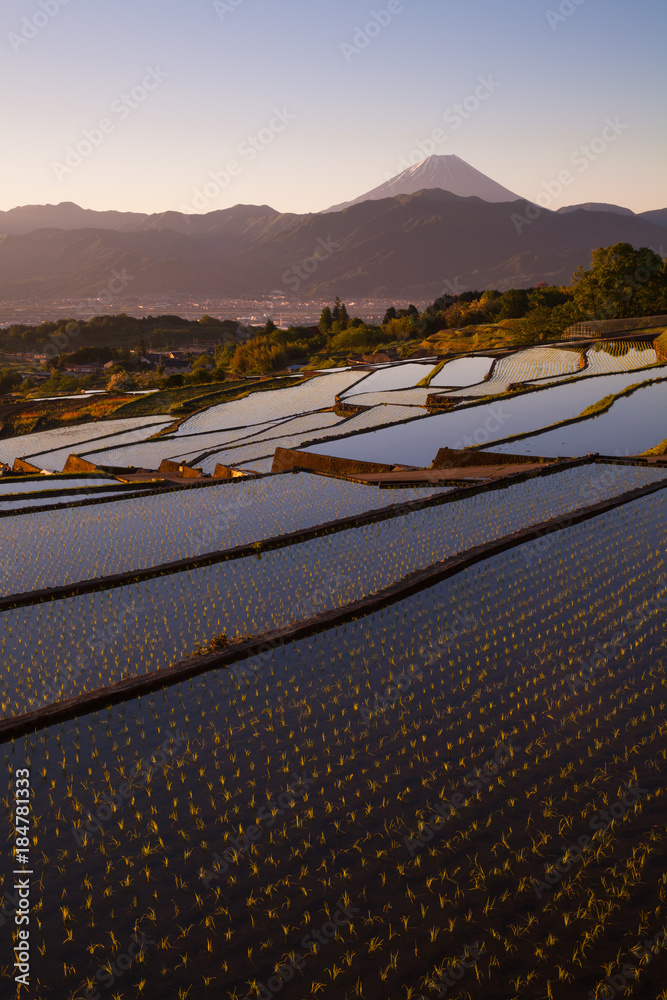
(116,580)
(135,687)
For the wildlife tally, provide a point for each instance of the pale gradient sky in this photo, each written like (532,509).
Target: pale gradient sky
(354,118)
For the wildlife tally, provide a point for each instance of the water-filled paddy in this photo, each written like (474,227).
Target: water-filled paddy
(28,485)
(632,425)
(462,372)
(55,501)
(72,545)
(399,377)
(87,641)
(417,443)
(447,680)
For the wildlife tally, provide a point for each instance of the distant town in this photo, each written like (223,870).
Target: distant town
(284,312)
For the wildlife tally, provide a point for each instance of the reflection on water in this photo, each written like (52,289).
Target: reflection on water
(633,425)
(417,443)
(463,372)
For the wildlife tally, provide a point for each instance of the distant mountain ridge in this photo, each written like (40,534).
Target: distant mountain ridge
(68,216)
(449,173)
(412,245)
(596,206)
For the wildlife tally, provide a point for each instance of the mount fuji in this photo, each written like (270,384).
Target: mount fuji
(449,173)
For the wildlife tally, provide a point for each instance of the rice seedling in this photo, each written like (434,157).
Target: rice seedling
(494,672)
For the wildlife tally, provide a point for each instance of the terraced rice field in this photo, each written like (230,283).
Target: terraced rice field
(615,357)
(401,397)
(607,359)
(260,407)
(390,379)
(54,461)
(535,363)
(191,447)
(631,426)
(253,449)
(463,372)
(487,388)
(94,638)
(61,500)
(64,437)
(11,487)
(542,365)
(451,745)
(89,542)
(417,442)
(442,775)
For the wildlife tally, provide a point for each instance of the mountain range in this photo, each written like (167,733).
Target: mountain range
(449,173)
(409,238)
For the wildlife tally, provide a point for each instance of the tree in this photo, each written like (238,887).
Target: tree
(513,304)
(454,316)
(224,355)
(8,380)
(203,361)
(621,282)
(120,381)
(399,329)
(335,312)
(198,376)
(326,320)
(542,323)
(343,318)
(269,327)
(390,314)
